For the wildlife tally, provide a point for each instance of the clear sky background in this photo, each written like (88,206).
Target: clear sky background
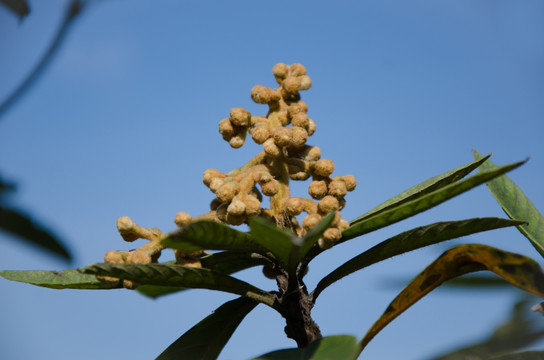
(124,122)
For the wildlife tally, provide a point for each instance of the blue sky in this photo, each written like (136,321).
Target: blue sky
(124,122)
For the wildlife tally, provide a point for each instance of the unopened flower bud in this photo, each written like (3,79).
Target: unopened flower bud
(324,167)
(237,141)
(280,70)
(343,225)
(298,136)
(311,127)
(125,225)
(210,174)
(113,257)
(317,189)
(305,82)
(337,188)
(300,119)
(327,204)
(291,84)
(138,257)
(297,69)
(225,193)
(282,137)
(240,117)
(215,184)
(236,208)
(312,153)
(264,95)
(294,206)
(260,134)
(283,117)
(270,148)
(311,221)
(270,188)
(253,206)
(226,129)
(182,218)
(325,243)
(350,181)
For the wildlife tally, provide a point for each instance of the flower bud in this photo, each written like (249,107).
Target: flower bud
(325,243)
(300,119)
(240,117)
(182,218)
(270,188)
(113,257)
(282,137)
(283,117)
(298,136)
(312,153)
(327,204)
(350,181)
(237,141)
(294,206)
(343,225)
(291,84)
(226,129)
(305,82)
(280,70)
(215,184)
(297,69)
(311,127)
(337,188)
(317,189)
(225,193)
(253,206)
(264,95)
(260,134)
(236,208)
(311,221)
(270,148)
(210,174)
(126,228)
(324,167)
(138,257)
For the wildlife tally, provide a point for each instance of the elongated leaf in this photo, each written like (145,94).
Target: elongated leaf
(182,276)
(227,262)
(67,279)
(412,240)
(210,235)
(280,242)
(526,355)
(26,229)
(518,270)
(516,205)
(425,187)
(337,347)
(205,340)
(18,7)
(422,203)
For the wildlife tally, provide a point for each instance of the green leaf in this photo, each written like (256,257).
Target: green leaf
(67,279)
(337,347)
(18,7)
(411,240)
(210,235)
(518,270)
(422,203)
(516,205)
(181,276)
(227,262)
(423,188)
(26,229)
(205,340)
(526,355)
(279,242)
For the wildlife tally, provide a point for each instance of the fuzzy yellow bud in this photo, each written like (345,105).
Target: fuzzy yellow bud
(113,257)
(210,174)
(264,95)
(270,148)
(280,70)
(138,257)
(311,221)
(126,226)
(253,205)
(325,243)
(337,188)
(237,141)
(225,193)
(182,218)
(294,206)
(312,153)
(311,127)
(236,208)
(297,69)
(324,167)
(305,82)
(350,181)
(282,137)
(226,129)
(291,84)
(327,204)
(343,225)
(317,189)
(300,119)
(298,136)
(260,134)
(270,188)
(240,117)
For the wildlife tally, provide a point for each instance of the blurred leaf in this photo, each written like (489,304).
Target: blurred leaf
(67,279)
(519,270)
(516,205)
(423,188)
(21,225)
(411,240)
(6,186)
(210,235)
(406,209)
(18,7)
(515,333)
(227,262)
(527,355)
(182,276)
(278,241)
(205,340)
(338,347)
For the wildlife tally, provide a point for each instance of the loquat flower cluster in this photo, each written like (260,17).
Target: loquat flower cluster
(286,156)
